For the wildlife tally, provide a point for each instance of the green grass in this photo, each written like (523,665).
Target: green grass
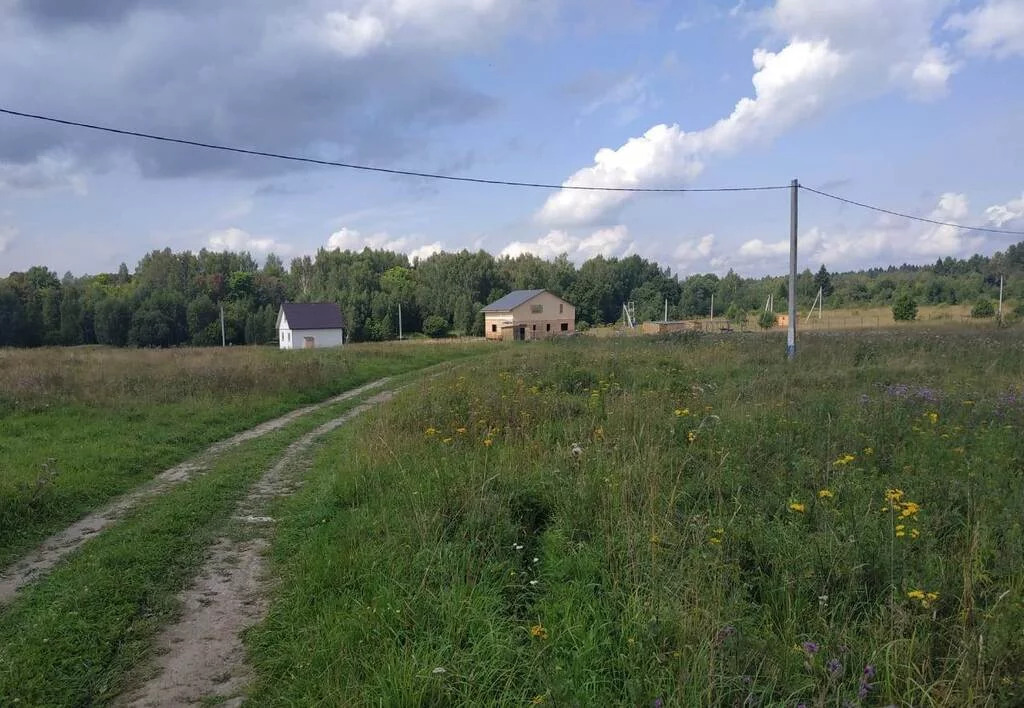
(74,637)
(80,426)
(687,554)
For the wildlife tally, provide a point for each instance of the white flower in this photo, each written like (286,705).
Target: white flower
(439,670)
(534,582)
(576,450)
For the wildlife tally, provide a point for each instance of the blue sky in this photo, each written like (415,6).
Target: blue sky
(913,105)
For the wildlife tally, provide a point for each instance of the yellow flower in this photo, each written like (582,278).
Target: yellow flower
(691,436)
(909,509)
(825,494)
(914,533)
(537,700)
(844,459)
(599,433)
(797,507)
(968,403)
(446,440)
(488,442)
(715,541)
(460,431)
(869,451)
(680,412)
(538,631)
(430,431)
(893,495)
(933,417)
(916,594)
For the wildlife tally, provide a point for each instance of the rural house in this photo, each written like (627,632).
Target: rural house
(309,325)
(528,314)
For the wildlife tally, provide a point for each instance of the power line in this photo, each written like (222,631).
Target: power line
(369,168)
(911,216)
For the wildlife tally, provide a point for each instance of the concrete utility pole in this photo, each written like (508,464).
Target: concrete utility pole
(222,340)
(712,307)
(1000,311)
(666,310)
(791,337)
(399,322)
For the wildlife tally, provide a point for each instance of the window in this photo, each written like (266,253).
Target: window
(494,328)
(560,306)
(536,309)
(565,326)
(548,326)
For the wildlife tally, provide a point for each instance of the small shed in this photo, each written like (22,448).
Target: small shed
(529,314)
(310,325)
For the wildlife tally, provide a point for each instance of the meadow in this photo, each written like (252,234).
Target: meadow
(684,520)
(81,425)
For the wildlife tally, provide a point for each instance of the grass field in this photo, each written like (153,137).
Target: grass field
(674,521)
(81,425)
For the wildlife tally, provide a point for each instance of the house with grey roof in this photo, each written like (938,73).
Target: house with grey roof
(528,314)
(310,325)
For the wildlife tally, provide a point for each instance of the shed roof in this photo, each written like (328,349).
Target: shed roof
(512,300)
(313,315)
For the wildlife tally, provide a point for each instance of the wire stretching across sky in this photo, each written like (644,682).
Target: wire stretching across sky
(481,180)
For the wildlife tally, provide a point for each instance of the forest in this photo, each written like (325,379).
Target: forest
(173,299)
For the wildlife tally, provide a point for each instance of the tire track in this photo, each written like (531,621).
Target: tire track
(44,557)
(201,656)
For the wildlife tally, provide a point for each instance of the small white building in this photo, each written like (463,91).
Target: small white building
(310,325)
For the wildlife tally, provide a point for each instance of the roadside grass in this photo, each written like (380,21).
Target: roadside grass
(667,521)
(75,636)
(79,426)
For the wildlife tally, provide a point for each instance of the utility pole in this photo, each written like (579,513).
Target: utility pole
(666,310)
(399,322)
(712,307)
(1000,311)
(222,340)
(791,337)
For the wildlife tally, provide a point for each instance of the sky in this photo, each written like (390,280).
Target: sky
(912,105)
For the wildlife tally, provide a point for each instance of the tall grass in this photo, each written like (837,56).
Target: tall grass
(80,425)
(680,521)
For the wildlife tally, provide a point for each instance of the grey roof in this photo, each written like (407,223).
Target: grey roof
(512,300)
(313,315)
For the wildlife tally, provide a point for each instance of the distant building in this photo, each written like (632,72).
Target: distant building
(528,314)
(310,325)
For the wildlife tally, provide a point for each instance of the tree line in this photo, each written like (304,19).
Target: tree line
(176,298)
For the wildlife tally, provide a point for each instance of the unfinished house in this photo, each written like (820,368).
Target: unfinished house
(528,314)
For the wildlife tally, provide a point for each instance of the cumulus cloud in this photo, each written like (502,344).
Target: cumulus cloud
(235,239)
(694,250)
(836,53)
(995,27)
(1009,214)
(48,171)
(346,239)
(606,242)
(360,80)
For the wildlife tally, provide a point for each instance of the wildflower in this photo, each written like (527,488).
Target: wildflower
(657,703)
(825,494)
(893,495)
(446,440)
(599,433)
(576,451)
(691,436)
(797,507)
(810,648)
(534,582)
(714,540)
(488,442)
(538,631)
(909,509)
(724,633)
(430,431)
(844,459)
(538,699)
(900,531)
(460,431)
(834,667)
(680,412)
(869,451)
(927,599)
(933,417)
(517,546)
(439,670)
(914,533)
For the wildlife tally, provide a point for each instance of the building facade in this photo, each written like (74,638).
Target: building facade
(529,314)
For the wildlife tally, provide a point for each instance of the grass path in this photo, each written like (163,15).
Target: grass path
(201,656)
(53,549)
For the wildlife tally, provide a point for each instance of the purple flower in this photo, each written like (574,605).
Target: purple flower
(869,671)
(834,666)
(810,648)
(724,633)
(657,703)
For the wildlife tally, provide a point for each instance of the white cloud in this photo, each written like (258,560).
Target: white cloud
(346,239)
(606,242)
(837,53)
(7,234)
(694,250)
(1000,215)
(684,25)
(425,251)
(354,36)
(994,27)
(52,170)
(235,239)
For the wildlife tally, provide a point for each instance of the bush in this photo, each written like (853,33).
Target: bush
(767,320)
(582,326)
(983,308)
(736,314)
(435,326)
(904,309)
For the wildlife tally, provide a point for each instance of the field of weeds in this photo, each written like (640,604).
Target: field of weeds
(81,425)
(678,521)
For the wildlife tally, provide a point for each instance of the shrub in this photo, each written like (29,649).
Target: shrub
(904,309)
(582,326)
(435,326)
(983,308)
(736,314)
(767,320)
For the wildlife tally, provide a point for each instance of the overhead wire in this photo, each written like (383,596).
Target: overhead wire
(482,180)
